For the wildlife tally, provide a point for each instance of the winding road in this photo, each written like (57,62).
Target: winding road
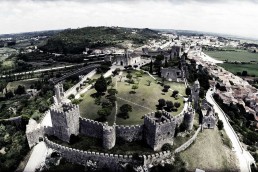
(244,157)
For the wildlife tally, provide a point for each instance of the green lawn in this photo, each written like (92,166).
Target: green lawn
(209,153)
(234,68)
(238,55)
(145,95)
(88,108)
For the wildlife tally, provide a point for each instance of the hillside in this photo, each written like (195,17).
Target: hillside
(74,41)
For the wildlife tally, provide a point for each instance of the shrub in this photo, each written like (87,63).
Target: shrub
(71,97)
(167,147)
(220,125)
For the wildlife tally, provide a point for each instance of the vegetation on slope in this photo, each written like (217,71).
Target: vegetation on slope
(74,41)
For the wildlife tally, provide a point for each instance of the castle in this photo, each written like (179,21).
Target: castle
(157,129)
(66,121)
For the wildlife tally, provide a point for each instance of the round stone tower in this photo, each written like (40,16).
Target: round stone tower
(189,118)
(109,136)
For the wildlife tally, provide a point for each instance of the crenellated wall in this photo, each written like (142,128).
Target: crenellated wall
(113,161)
(188,143)
(129,133)
(91,128)
(156,158)
(81,157)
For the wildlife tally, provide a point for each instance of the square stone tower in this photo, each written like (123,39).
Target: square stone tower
(65,120)
(159,130)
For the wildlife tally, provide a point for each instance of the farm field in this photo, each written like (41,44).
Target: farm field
(209,153)
(234,68)
(238,55)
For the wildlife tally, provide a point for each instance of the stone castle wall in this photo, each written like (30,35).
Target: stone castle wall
(188,143)
(129,133)
(91,128)
(34,135)
(81,157)
(156,158)
(113,161)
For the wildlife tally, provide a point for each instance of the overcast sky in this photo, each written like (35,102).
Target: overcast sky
(236,17)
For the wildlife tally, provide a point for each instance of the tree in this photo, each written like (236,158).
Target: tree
(170,105)
(112,91)
(9,94)
(149,82)
(104,112)
(188,91)
(101,85)
(125,108)
(177,104)
(220,125)
(129,76)
(167,147)
(162,103)
(244,73)
(112,99)
(202,93)
(71,97)
(166,87)
(166,63)
(134,87)
(151,64)
(20,90)
(175,92)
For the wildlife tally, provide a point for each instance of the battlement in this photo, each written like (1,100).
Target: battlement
(128,127)
(81,157)
(90,121)
(64,107)
(150,119)
(156,157)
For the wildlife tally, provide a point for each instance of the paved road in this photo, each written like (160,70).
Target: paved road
(244,157)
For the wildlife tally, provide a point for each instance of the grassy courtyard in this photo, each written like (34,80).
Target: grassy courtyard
(210,153)
(146,96)
(237,55)
(143,100)
(88,108)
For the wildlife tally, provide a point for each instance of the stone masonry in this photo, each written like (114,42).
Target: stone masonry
(65,120)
